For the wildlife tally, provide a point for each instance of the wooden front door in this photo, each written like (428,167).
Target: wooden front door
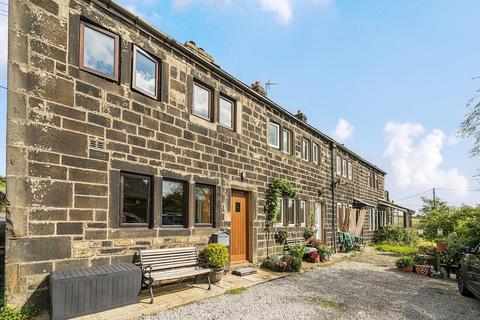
(239,227)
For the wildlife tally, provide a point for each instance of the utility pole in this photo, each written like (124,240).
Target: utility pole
(434,199)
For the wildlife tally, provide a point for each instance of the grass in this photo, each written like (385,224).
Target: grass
(236,291)
(396,248)
(329,304)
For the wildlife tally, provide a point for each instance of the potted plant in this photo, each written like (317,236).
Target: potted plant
(325,253)
(281,236)
(308,234)
(216,256)
(405,263)
(422,270)
(314,257)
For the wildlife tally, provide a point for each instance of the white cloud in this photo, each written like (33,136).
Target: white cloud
(415,157)
(343,130)
(282,9)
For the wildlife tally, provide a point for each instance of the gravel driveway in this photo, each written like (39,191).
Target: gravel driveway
(364,287)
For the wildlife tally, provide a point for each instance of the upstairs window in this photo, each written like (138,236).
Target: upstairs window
(174,203)
(135,199)
(344,168)
(202,101)
(274,135)
(226,113)
(204,204)
(339,166)
(350,172)
(315,153)
(305,149)
(286,141)
(302,215)
(145,73)
(99,51)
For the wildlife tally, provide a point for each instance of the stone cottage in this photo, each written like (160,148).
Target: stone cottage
(120,138)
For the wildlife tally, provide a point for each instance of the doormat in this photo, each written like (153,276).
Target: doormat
(245,271)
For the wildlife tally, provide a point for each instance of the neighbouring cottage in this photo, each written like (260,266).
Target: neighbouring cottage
(121,138)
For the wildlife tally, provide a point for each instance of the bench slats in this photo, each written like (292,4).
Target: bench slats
(178,273)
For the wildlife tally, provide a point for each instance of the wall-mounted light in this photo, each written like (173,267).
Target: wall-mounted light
(243,176)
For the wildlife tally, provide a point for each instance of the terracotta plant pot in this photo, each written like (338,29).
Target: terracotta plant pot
(407,269)
(216,275)
(422,270)
(441,246)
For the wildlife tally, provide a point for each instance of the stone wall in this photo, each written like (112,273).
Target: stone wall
(63,193)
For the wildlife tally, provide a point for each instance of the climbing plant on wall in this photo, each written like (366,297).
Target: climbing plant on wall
(280,188)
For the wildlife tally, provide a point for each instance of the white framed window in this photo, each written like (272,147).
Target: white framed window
(286,141)
(291,212)
(370,219)
(274,135)
(202,101)
(339,216)
(339,166)
(99,51)
(315,153)
(302,215)
(280,212)
(344,168)
(305,149)
(350,171)
(226,113)
(145,73)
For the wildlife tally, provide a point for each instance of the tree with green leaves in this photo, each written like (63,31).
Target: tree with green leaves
(429,205)
(470,127)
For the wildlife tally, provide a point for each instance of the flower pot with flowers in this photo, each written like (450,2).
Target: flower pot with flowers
(405,263)
(324,252)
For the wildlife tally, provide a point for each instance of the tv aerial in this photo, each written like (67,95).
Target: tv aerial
(268,84)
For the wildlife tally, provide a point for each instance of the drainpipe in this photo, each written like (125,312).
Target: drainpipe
(334,209)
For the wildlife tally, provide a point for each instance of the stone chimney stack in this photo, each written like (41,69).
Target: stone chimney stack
(258,88)
(301,116)
(200,51)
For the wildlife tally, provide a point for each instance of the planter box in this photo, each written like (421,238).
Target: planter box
(422,270)
(407,269)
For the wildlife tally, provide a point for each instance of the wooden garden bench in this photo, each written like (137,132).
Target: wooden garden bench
(291,241)
(171,264)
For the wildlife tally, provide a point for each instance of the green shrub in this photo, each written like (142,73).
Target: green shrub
(297,250)
(294,263)
(268,264)
(394,234)
(404,261)
(216,255)
(308,233)
(324,250)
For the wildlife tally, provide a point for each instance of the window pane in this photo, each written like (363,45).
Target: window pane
(286,141)
(339,166)
(344,168)
(302,212)
(315,153)
(136,199)
(305,150)
(98,51)
(280,212)
(273,133)
(145,73)
(203,204)
(201,101)
(350,173)
(291,211)
(173,203)
(226,112)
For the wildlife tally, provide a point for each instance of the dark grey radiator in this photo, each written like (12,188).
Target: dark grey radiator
(84,291)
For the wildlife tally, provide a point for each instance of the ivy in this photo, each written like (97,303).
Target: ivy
(280,188)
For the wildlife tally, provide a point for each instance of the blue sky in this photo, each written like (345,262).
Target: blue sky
(399,74)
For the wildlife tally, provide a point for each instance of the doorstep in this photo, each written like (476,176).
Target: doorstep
(174,296)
